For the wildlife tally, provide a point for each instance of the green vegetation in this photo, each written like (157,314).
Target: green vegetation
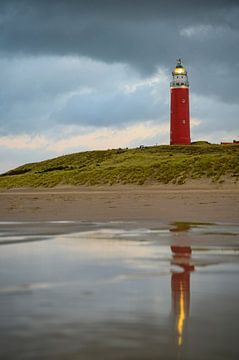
(156,164)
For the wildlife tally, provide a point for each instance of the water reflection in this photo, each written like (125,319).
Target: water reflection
(180,285)
(103,292)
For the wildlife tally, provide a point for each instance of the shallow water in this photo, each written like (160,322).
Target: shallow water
(119,290)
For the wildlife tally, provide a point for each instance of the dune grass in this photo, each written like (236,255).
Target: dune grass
(156,164)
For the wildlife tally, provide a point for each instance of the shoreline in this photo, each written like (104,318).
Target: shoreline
(165,203)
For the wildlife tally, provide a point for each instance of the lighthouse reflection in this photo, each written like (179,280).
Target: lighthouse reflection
(180,285)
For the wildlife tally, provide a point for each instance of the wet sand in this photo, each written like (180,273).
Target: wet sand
(118,290)
(162,203)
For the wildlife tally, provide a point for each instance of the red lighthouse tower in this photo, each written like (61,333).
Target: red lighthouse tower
(179,119)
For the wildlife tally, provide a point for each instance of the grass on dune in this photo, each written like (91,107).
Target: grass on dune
(162,164)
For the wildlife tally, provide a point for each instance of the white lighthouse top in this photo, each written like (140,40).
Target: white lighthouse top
(180,77)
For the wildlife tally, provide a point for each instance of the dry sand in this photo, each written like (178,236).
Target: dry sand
(192,202)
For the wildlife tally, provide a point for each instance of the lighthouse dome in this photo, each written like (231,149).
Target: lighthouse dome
(179,69)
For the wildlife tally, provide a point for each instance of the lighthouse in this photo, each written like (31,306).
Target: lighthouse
(179,116)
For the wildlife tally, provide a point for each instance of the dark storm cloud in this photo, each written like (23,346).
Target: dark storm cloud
(111,30)
(143,33)
(146,34)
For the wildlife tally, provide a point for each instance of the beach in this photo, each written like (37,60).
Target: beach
(197,202)
(121,272)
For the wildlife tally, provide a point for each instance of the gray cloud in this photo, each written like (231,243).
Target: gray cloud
(145,34)
(114,109)
(38,93)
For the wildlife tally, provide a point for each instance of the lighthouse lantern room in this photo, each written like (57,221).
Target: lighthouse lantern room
(179,117)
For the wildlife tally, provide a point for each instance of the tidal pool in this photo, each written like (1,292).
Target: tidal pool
(119,290)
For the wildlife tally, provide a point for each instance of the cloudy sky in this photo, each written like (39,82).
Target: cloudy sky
(78,74)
